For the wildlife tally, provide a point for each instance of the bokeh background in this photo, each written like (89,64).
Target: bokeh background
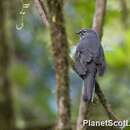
(32,71)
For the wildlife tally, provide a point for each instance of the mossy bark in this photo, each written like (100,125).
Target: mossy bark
(60,52)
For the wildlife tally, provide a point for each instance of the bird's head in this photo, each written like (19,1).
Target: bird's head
(83,32)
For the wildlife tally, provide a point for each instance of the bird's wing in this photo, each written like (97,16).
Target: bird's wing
(87,49)
(81,70)
(82,58)
(86,56)
(95,51)
(100,62)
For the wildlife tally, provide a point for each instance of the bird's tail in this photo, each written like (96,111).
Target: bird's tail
(89,87)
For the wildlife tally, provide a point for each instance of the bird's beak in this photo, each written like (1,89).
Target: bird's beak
(77,33)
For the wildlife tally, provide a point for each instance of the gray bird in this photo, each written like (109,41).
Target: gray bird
(90,60)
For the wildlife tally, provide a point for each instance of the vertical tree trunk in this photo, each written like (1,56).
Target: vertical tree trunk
(83,112)
(98,20)
(6,105)
(60,51)
(98,26)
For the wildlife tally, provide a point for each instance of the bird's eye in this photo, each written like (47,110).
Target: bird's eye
(85,31)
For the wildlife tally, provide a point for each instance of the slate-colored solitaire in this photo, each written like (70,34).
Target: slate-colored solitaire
(89,57)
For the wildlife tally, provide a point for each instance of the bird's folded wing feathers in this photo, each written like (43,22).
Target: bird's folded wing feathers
(100,61)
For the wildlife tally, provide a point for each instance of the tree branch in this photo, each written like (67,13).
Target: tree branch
(98,20)
(104,102)
(42,11)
